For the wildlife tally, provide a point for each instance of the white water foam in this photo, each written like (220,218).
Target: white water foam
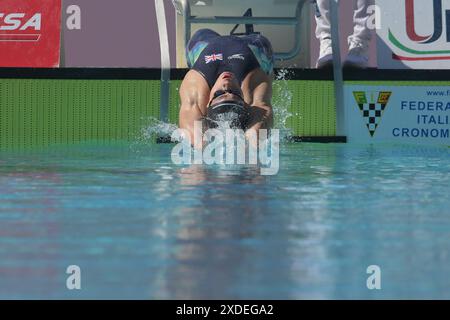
(281,102)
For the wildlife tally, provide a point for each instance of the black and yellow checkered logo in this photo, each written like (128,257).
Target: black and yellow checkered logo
(372,106)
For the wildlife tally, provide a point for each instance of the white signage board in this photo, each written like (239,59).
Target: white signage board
(413,34)
(398,114)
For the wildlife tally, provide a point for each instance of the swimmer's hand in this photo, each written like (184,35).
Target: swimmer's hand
(261,117)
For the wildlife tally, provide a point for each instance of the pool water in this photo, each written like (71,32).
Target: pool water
(140,227)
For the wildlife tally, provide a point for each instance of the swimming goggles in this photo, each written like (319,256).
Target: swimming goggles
(219,93)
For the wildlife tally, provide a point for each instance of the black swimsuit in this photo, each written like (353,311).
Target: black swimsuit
(211,54)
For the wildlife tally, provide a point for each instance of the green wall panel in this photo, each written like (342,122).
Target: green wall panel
(43,112)
(312,108)
(174,101)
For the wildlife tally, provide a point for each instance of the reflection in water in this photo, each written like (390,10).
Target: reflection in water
(385,217)
(215,240)
(141,227)
(26,222)
(249,236)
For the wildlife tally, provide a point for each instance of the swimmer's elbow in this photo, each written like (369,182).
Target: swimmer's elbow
(189,113)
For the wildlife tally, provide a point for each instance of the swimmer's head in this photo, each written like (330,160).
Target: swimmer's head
(234,115)
(226,88)
(227,103)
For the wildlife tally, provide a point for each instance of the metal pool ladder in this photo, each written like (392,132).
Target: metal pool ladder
(183,7)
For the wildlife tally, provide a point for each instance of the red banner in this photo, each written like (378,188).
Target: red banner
(30,33)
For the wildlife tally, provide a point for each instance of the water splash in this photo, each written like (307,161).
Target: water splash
(281,102)
(154,129)
(227,120)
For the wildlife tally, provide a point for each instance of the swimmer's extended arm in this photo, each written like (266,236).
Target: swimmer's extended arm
(194,95)
(261,113)
(189,114)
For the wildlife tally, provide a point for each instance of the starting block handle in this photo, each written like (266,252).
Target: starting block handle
(249,29)
(184,8)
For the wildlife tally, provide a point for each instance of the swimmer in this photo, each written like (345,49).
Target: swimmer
(228,75)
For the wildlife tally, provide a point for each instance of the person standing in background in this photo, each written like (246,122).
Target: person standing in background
(358,42)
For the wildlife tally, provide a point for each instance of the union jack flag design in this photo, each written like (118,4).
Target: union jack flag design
(213,57)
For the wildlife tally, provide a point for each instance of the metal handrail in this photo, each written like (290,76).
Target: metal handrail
(341,123)
(185,10)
